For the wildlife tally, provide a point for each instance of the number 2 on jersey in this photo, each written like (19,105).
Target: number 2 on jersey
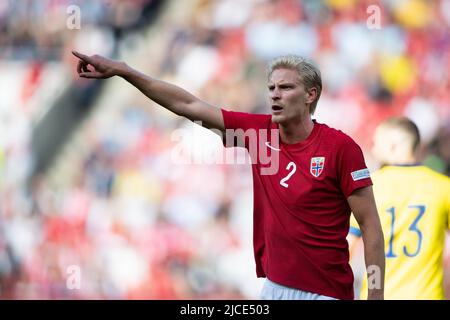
(289,166)
(412,228)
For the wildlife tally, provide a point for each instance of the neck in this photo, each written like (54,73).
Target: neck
(407,160)
(296,131)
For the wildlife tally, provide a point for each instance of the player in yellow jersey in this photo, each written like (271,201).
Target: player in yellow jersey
(413,203)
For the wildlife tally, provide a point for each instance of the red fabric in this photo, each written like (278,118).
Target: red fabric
(300,230)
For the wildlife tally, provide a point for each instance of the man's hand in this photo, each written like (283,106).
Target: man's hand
(98,67)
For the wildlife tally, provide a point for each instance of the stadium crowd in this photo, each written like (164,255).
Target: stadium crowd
(139,225)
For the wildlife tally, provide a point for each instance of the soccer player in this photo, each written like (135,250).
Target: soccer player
(303,196)
(414,207)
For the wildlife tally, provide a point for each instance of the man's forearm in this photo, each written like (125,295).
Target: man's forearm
(375,262)
(165,94)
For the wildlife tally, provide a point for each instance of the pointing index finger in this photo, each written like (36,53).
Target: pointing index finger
(81,56)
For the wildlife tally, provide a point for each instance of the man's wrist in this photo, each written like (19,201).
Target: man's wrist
(376,294)
(122,69)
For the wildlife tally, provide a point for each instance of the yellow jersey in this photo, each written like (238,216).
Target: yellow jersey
(413,203)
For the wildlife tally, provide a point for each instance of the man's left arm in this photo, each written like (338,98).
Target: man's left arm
(362,204)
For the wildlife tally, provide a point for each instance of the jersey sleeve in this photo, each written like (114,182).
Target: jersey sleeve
(352,170)
(240,127)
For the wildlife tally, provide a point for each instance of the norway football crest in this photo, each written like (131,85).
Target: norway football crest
(317,165)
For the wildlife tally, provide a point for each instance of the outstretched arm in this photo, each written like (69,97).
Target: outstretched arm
(362,204)
(165,94)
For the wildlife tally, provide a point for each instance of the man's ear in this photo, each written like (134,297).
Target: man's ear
(311,95)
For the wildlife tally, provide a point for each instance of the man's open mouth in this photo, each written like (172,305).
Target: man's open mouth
(276,108)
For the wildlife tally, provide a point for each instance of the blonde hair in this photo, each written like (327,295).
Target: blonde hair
(308,73)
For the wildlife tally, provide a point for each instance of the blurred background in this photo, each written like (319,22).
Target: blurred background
(87,171)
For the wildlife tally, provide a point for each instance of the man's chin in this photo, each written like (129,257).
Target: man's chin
(278,118)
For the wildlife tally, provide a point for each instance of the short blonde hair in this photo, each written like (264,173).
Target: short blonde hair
(308,73)
(405,125)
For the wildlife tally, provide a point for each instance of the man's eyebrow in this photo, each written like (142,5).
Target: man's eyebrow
(290,83)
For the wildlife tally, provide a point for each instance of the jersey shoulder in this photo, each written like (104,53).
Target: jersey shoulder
(337,137)
(419,178)
(439,177)
(420,172)
(256,119)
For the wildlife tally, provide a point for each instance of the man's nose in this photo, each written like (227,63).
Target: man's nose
(275,94)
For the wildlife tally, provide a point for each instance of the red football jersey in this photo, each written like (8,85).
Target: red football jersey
(301,214)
